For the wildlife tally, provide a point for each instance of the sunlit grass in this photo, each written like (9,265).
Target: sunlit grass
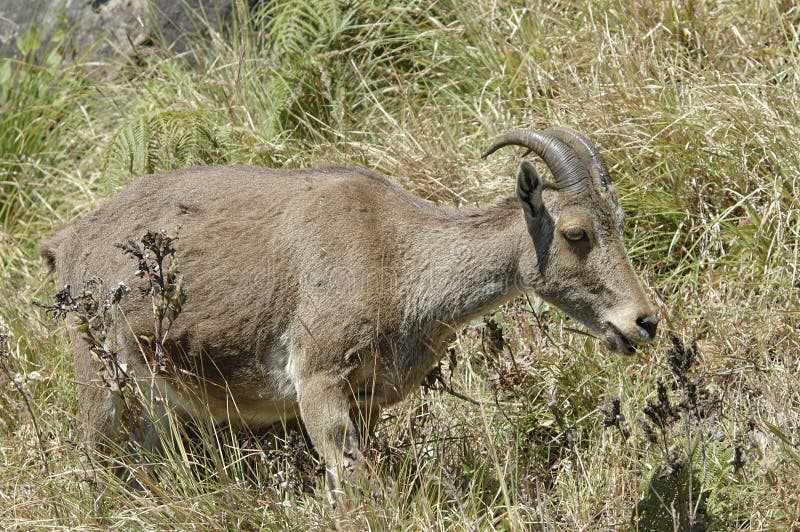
(696,107)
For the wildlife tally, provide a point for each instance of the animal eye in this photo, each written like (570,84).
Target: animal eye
(574,234)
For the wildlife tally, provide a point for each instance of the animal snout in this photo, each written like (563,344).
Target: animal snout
(647,324)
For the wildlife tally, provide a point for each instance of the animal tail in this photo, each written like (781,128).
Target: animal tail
(48,250)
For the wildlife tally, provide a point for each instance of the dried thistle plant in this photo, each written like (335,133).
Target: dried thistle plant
(92,317)
(157,264)
(693,406)
(678,421)
(96,310)
(613,417)
(6,357)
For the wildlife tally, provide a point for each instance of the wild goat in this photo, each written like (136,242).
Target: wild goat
(324,292)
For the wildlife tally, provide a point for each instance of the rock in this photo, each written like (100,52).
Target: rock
(104,29)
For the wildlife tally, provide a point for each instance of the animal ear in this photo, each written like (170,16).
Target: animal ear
(529,189)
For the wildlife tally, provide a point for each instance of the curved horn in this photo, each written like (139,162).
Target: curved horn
(563,162)
(586,151)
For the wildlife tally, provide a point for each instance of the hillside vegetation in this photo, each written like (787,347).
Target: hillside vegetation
(696,108)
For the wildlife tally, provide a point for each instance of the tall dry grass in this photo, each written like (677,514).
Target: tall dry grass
(696,107)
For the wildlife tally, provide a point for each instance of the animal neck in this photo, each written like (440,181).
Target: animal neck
(471,264)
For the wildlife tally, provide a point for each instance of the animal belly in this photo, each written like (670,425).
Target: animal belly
(226,408)
(256,393)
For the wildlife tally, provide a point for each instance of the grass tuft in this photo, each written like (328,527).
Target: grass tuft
(695,106)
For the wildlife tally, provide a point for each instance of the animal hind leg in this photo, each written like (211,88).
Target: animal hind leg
(109,421)
(100,407)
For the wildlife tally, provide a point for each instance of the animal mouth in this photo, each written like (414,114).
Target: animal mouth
(615,340)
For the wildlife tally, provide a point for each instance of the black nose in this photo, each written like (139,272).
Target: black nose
(648,324)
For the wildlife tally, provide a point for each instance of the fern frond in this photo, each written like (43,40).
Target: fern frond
(164,141)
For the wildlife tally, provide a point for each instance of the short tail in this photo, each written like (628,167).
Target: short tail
(48,250)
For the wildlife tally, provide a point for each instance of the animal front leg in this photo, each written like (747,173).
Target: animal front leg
(324,409)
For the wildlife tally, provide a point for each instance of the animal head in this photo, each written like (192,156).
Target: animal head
(579,262)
